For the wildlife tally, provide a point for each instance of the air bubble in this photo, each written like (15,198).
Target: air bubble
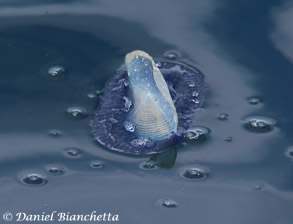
(194,173)
(259,123)
(148,165)
(91,96)
(229,139)
(197,133)
(289,152)
(143,143)
(195,94)
(34,180)
(73,152)
(171,55)
(96,164)
(259,187)
(56,72)
(168,203)
(55,171)
(53,73)
(223,116)
(99,92)
(128,126)
(254,100)
(195,101)
(55,133)
(76,112)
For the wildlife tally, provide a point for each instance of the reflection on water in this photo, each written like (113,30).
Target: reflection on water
(55,59)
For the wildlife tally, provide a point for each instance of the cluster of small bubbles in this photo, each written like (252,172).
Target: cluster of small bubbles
(76,112)
(170,55)
(73,152)
(56,71)
(128,126)
(127,104)
(196,101)
(143,143)
(253,100)
(289,152)
(96,164)
(194,173)
(55,133)
(55,171)
(34,180)
(197,133)
(195,94)
(223,116)
(168,203)
(259,124)
(112,137)
(148,165)
(229,139)
(158,64)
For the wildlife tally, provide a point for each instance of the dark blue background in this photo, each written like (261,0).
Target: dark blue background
(236,45)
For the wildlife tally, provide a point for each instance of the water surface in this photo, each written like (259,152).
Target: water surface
(244,50)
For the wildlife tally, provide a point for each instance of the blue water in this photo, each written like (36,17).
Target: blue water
(243,48)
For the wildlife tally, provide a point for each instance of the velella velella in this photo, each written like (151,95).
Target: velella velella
(147,106)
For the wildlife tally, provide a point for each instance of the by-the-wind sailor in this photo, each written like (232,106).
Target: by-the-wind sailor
(158,105)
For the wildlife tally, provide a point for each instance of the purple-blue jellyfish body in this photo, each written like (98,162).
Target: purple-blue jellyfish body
(146,107)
